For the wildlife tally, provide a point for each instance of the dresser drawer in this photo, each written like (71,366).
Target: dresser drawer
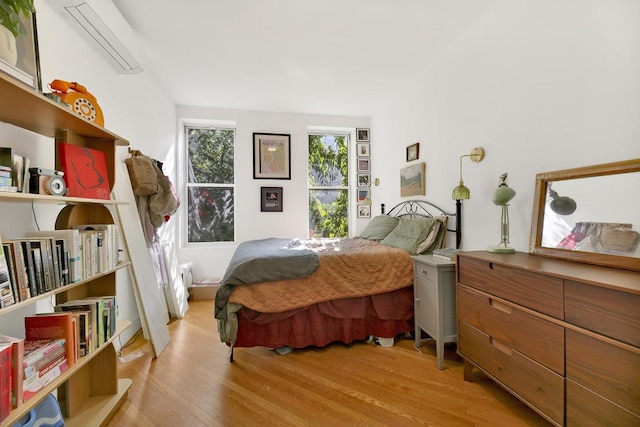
(610,371)
(532,382)
(533,290)
(534,337)
(609,312)
(586,408)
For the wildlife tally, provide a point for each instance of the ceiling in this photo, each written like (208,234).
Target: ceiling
(339,57)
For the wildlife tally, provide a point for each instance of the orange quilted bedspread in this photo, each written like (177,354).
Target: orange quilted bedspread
(348,268)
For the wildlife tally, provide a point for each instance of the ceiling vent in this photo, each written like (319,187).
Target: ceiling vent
(103,26)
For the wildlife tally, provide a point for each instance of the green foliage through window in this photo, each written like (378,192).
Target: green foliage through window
(210,179)
(328,185)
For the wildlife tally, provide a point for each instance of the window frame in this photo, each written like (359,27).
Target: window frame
(351,167)
(185,185)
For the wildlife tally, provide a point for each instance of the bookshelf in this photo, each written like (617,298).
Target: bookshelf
(90,392)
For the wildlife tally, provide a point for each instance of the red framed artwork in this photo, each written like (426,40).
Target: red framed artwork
(85,171)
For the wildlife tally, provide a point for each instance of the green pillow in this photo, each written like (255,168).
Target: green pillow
(409,233)
(379,227)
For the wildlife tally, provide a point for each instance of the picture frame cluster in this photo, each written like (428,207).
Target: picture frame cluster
(363,170)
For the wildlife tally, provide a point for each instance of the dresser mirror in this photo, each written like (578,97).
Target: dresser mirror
(589,214)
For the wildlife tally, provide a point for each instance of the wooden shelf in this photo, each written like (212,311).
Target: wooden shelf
(99,409)
(60,200)
(26,108)
(23,409)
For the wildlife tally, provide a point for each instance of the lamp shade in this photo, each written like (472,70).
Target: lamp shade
(461,192)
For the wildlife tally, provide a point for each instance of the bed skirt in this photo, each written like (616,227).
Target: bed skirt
(346,320)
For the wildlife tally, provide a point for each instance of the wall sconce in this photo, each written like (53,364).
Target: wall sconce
(461,192)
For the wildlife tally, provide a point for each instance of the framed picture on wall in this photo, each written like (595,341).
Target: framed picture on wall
(413,152)
(270,199)
(364,165)
(364,211)
(364,180)
(362,135)
(362,150)
(363,195)
(271,156)
(412,181)
(23,63)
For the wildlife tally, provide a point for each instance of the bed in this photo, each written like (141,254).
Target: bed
(296,293)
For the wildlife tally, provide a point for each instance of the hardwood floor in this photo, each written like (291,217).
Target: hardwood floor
(193,383)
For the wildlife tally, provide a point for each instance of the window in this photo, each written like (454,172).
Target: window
(210,184)
(328,185)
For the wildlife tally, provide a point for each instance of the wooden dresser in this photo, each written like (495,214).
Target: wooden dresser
(561,336)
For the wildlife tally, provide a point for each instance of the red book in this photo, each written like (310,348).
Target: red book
(5,380)
(85,171)
(53,325)
(33,387)
(16,368)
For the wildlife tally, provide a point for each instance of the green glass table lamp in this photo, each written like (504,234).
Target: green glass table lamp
(501,197)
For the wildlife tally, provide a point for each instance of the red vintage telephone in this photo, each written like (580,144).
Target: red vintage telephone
(80,99)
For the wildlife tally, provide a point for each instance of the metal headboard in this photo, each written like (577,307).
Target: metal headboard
(425,209)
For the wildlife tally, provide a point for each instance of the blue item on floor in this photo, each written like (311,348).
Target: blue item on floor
(44,414)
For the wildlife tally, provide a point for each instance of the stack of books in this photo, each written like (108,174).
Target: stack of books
(43,361)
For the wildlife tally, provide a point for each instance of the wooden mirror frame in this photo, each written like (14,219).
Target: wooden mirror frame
(537,219)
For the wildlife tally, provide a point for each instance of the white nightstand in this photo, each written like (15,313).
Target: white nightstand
(434,301)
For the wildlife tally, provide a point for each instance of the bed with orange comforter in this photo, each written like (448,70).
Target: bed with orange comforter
(356,289)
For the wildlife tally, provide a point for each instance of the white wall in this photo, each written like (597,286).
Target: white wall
(542,85)
(250,223)
(134,107)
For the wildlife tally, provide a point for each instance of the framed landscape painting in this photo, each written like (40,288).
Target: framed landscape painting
(412,180)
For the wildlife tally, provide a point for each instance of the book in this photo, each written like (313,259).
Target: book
(18,171)
(446,253)
(17,376)
(108,251)
(85,171)
(6,158)
(6,290)
(36,365)
(34,350)
(13,273)
(5,380)
(30,265)
(91,307)
(22,275)
(52,325)
(83,334)
(31,388)
(71,246)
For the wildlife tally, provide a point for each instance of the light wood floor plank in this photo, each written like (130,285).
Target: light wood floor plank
(193,383)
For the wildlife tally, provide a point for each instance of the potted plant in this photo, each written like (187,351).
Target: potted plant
(11,26)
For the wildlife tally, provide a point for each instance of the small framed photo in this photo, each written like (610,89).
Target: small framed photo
(362,150)
(364,180)
(270,199)
(364,211)
(364,165)
(363,195)
(413,152)
(271,158)
(362,135)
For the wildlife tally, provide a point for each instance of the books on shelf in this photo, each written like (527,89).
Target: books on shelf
(97,317)
(53,326)
(446,253)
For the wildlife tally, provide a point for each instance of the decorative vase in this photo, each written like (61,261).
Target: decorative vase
(8,50)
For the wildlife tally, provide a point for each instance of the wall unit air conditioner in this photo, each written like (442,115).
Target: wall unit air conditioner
(103,26)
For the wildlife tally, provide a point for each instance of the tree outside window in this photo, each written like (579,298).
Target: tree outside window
(328,185)
(210,184)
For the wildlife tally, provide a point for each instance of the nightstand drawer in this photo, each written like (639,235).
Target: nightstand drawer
(536,291)
(586,408)
(532,336)
(609,312)
(610,371)
(510,367)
